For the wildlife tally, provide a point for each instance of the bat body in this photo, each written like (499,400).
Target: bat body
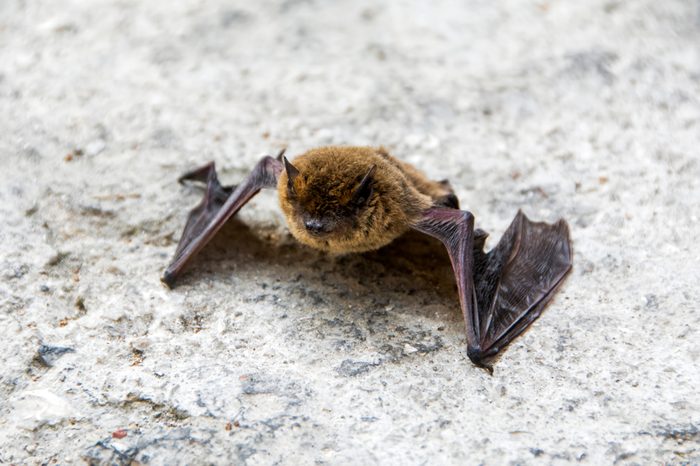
(328,193)
(355,199)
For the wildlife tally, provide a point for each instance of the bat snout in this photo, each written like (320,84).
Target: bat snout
(316,226)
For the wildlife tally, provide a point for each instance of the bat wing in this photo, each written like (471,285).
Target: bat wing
(501,292)
(517,278)
(218,205)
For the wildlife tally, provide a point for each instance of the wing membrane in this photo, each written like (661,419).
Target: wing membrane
(217,206)
(503,291)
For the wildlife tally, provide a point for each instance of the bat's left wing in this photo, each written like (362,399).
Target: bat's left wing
(504,291)
(218,205)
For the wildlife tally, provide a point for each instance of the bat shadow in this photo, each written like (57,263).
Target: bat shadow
(413,268)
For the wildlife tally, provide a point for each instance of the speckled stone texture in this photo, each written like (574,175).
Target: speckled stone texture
(271,353)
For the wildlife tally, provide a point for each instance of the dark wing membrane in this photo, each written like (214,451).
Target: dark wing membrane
(218,205)
(501,293)
(517,278)
(455,229)
(215,196)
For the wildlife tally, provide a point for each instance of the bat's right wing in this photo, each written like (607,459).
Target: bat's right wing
(218,205)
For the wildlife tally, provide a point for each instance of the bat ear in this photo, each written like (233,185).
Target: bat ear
(292,174)
(364,191)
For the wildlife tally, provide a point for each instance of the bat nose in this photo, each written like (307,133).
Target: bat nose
(315,226)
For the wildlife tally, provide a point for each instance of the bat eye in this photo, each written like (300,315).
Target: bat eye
(361,198)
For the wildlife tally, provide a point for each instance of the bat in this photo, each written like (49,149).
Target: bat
(355,199)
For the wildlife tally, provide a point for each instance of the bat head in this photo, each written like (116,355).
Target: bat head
(329,202)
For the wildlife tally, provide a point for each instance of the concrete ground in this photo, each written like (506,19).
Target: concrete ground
(273,353)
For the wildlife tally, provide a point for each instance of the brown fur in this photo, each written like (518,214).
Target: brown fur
(327,178)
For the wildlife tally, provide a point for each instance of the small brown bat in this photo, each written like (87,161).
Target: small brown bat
(355,199)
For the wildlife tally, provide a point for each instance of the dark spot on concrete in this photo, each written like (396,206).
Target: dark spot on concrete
(258,384)
(97,211)
(165,55)
(47,355)
(165,138)
(592,62)
(651,302)
(244,451)
(680,434)
(32,210)
(57,259)
(233,17)
(611,7)
(18,271)
(623,456)
(80,304)
(140,447)
(350,368)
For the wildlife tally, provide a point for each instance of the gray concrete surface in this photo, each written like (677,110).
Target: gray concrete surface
(273,353)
